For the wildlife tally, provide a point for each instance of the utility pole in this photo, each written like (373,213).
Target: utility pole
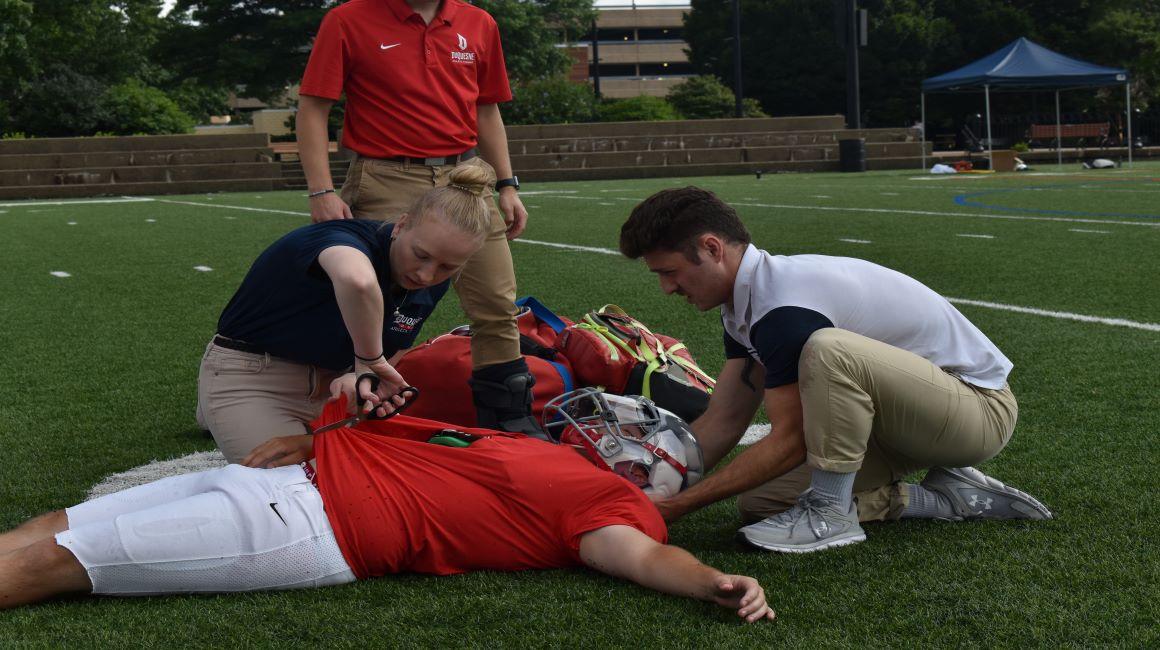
(595,60)
(853,104)
(738,109)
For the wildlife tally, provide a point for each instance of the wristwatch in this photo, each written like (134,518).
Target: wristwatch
(514,181)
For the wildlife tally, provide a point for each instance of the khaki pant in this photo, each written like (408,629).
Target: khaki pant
(385,189)
(245,399)
(884,413)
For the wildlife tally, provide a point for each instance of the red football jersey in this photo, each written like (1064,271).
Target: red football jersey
(411,88)
(507,502)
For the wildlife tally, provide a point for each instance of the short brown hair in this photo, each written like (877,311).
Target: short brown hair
(672,220)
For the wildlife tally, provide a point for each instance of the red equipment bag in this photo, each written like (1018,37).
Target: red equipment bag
(617,352)
(440,368)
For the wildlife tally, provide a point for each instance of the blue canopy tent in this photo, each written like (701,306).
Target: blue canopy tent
(1024,65)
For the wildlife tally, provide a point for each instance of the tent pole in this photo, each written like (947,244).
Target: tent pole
(990,144)
(1128,102)
(922,138)
(1058,134)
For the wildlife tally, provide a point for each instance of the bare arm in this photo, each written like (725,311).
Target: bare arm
(779,452)
(360,300)
(731,409)
(625,552)
(314,152)
(493,146)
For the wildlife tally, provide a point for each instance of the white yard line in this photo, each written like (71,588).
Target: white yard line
(571,247)
(991,305)
(931,213)
(963,234)
(232,207)
(202,268)
(60,274)
(1102,232)
(32,204)
(856,241)
(1118,322)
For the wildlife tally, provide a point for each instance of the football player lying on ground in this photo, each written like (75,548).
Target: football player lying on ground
(405,495)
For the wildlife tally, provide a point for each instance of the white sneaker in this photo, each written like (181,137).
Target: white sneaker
(811,525)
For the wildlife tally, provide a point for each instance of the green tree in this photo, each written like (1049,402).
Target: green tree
(642,108)
(550,101)
(705,97)
(259,46)
(532,29)
(132,107)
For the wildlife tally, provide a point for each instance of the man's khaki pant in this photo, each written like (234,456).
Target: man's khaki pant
(884,413)
(245,399)
(385,189)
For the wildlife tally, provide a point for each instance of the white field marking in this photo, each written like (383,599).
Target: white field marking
(203,269)
(1118,322)
(754,433)
(535,192)
(60,274)
(964,234)
(571,247)
(1102,232)
(234,207)
(617,190)
(931,213)
(822,196)
(529,205)
(1028,310)
(156,470)
(72,223)
(575,198)
(946,177)
(3,212)
(231,218)
(124,199)
(856,241)
(891,194)
(605,203)
(150,221)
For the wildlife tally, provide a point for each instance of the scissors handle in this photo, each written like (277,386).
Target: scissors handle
(408,393)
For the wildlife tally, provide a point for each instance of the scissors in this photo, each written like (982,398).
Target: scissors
(408,393)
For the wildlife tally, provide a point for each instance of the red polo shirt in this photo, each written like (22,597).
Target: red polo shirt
(411,88)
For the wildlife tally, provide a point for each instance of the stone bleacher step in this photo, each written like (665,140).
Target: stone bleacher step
(227,156)
(139,174)
(672,142)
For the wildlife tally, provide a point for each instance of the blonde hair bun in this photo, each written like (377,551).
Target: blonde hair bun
(469,178)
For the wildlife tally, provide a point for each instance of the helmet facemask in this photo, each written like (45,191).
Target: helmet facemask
(630,436)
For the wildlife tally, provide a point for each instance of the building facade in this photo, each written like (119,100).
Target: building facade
(640,45)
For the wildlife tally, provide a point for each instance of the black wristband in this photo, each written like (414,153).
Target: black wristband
(366,360)
(320,193)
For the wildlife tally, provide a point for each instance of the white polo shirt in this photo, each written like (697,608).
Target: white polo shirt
(779,300)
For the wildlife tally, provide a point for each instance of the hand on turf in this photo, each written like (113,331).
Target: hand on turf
(513,211)
(329,207)
(743,594)
(670,510)
(281,451)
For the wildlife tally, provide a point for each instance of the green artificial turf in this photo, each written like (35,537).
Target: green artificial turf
(98,375)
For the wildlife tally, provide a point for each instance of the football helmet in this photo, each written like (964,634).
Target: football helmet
(629,435)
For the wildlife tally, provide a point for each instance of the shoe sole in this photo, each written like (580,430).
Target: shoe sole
(819,546)
(1007,490)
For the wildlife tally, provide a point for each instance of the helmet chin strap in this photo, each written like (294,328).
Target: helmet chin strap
(665,456)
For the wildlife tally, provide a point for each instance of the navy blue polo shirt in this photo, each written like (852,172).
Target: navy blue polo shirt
(286,304)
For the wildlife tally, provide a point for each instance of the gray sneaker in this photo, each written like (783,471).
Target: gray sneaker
(811,525)
(974,495)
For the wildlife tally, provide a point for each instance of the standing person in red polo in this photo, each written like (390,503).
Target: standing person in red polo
(423,79)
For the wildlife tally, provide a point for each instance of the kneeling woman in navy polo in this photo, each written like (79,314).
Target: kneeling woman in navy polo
(327,299)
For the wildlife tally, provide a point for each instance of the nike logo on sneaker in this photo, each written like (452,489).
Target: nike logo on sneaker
(274,507)
(387,47)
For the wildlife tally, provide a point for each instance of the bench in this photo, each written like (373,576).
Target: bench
(1096,132)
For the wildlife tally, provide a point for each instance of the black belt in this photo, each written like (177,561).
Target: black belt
(240,346)
(437,161)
